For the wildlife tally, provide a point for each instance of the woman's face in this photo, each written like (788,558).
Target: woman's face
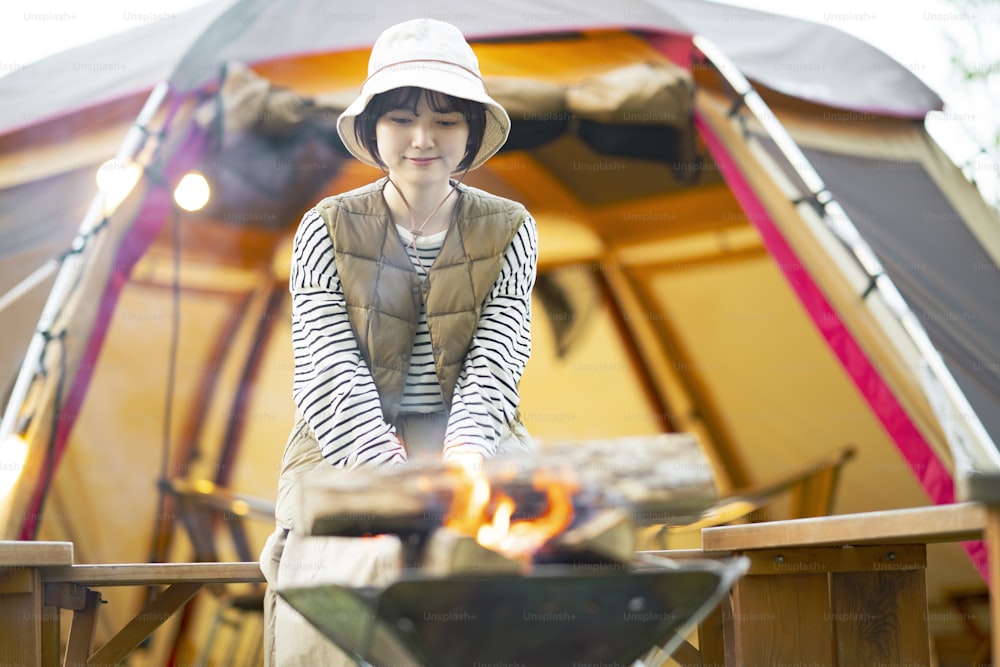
(421,146)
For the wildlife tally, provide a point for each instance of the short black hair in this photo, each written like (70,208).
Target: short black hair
(408,98)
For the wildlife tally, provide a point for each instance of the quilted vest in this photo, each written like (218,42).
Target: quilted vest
(383,291)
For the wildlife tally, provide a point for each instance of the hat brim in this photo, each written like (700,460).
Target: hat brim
(438,76)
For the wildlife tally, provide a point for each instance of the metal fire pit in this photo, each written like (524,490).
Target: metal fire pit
(558,615)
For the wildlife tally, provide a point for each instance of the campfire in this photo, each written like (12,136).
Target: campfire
(519,542)
(487,514)
(576,502)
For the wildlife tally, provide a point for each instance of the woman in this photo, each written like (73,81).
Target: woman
(411,308)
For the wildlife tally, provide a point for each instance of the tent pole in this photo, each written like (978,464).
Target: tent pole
(971,450)
(95,217)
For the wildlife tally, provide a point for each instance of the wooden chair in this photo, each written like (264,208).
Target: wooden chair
(810,490)
(968,612)
(202,507)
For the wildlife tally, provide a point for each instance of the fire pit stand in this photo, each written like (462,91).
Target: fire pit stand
(579,596)
(555,616)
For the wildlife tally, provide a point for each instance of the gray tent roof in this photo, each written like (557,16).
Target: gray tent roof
(796,57)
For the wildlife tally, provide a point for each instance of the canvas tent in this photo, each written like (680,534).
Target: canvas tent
(695,274)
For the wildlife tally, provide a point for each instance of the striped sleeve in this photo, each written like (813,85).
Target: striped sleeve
(486,394)
(332,386)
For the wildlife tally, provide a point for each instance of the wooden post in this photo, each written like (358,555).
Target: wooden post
(81,634)
(27,623)
(782,619)
(841,606)
(992,540)
(20,617)
(880,617)
(984,487)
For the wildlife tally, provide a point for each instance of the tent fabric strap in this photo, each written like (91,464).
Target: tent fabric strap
(739,101)
(156,175)
(81,241)
(818,200)
(147,131)
(872,286)
(48,337)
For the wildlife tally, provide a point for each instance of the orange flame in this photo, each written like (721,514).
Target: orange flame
(485,513)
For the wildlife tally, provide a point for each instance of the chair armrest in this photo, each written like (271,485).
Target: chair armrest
(813,488)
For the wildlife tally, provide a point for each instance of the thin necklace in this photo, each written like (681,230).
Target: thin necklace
(415,230)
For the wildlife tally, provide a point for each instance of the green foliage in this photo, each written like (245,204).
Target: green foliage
(971,30)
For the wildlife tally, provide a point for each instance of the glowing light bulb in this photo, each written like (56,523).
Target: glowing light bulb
(192,193)
(13,454)
(116,179)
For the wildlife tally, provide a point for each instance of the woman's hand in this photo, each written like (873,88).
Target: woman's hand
(470,461)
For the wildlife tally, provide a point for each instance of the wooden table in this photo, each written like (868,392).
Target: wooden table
(37,579)
(25,620)
(841,590)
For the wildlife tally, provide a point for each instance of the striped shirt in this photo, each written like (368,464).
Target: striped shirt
(333,387)
(423,391)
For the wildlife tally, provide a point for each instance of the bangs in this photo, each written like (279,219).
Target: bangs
(409,97)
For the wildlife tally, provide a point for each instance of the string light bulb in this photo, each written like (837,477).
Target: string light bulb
(116,179)
(192,192)
(13,454)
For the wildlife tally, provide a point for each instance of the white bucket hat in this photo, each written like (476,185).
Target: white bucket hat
(430,54)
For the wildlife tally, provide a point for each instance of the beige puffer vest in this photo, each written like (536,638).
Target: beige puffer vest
(383,296)
(383,291)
